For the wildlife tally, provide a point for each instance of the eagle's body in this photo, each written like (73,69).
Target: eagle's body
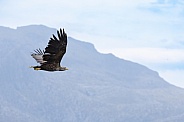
(50,58)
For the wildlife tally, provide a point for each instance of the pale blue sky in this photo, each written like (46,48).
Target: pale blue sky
(150,32)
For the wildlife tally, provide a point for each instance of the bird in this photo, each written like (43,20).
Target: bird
(51,57)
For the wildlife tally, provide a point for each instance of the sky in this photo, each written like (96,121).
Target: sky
(149,32)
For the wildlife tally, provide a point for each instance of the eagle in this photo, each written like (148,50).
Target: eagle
(50,58)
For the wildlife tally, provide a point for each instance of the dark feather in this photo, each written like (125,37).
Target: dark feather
(59,36)
(38,51)
(56,48)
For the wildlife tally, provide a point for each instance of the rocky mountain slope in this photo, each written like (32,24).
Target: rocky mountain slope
(96,88)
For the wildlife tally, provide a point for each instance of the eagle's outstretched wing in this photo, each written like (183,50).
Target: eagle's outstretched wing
(56,48)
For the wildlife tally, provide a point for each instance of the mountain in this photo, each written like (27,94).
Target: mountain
(96,88)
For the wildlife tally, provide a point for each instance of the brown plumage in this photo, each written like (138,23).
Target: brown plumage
(50,58)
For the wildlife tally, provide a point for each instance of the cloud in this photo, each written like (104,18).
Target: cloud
(53,11)
(173,76)
(167,7)
(150,55)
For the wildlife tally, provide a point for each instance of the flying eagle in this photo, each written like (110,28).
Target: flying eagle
(50,58)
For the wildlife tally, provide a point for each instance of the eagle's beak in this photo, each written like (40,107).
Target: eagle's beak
(66,69)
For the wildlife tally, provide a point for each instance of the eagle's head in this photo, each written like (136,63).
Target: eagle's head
(61,69)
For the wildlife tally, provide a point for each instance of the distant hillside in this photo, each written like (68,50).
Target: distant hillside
(96,88)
